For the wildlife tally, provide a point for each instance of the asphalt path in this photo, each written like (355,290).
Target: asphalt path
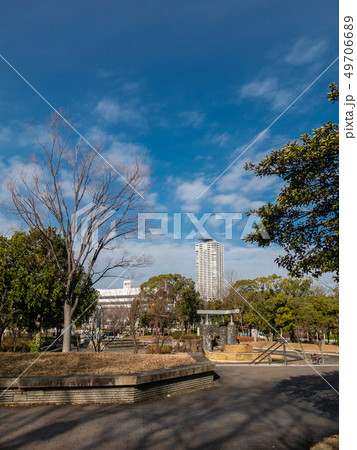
(250,407)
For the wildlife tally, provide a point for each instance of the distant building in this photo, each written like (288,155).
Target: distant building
(111,298)
(209,269)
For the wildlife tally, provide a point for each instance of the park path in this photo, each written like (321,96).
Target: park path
(251,407)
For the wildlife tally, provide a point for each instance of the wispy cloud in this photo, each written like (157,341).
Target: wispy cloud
(220,139)
(19,134)
(192,118)
(269,90)
(103,73)
(306,51)
(114,112)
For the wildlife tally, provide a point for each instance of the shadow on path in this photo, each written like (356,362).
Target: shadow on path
(250,408)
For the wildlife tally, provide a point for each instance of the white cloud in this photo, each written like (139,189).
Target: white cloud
(128,112)
(192,118)
(235,202)
(237,179)
(178,256)
(305,51)
(108,109)
(220,139)
(261,88)
(168,256)
(270,90)
(188,191)
(120,152)
(19,134)
(251,261)
(8,225)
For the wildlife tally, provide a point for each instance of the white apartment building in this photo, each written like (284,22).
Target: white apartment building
(209,269)
(111,298)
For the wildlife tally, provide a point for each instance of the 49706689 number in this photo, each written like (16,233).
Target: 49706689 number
(348,46)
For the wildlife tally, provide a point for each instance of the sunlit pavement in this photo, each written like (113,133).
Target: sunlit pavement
(251,407)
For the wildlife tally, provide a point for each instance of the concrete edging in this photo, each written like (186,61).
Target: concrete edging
(106,388)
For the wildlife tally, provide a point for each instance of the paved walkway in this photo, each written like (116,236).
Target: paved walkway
(249,408)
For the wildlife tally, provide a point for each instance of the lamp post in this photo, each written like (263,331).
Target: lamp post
(168,309)
(99,322)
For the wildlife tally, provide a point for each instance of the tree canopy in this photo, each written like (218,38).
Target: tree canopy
(31,285)
(178,290)
(276,303)
(304,218)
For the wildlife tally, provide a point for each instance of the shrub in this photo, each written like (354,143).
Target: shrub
(35,345)
(165,349)
(8,344)
(178,335)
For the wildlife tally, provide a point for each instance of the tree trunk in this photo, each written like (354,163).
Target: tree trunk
(66,346)
(1,335)
(133,336)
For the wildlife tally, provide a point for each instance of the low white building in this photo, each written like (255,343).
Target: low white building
(111,298)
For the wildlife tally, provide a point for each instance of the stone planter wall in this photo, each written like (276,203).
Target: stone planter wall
(187,345)
(106,388)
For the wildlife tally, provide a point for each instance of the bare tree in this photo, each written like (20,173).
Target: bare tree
(111,320)
(135,315)
(115,319)
(92,202)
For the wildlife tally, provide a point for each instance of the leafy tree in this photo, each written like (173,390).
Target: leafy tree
(304,218)
(31,284)
(177,290)
(317,316)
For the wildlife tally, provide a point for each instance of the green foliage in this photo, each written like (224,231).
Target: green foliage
(177,290)
(304,218)
(36,344)
(31,283)
(179,335)
(334,93)
(276,303)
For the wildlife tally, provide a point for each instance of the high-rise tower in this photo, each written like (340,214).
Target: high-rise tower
(209,269)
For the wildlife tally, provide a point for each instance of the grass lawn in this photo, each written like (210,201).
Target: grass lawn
(56,364)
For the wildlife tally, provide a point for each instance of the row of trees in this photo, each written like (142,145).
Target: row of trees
(276,304)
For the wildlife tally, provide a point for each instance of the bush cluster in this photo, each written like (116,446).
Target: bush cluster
(18,345)
(178,335)
(165,349)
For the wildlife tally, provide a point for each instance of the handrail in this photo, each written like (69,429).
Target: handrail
(267,352)
(273,345)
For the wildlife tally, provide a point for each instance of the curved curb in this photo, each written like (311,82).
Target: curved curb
(130,388)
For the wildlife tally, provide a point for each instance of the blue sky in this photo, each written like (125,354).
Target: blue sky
(188,85)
